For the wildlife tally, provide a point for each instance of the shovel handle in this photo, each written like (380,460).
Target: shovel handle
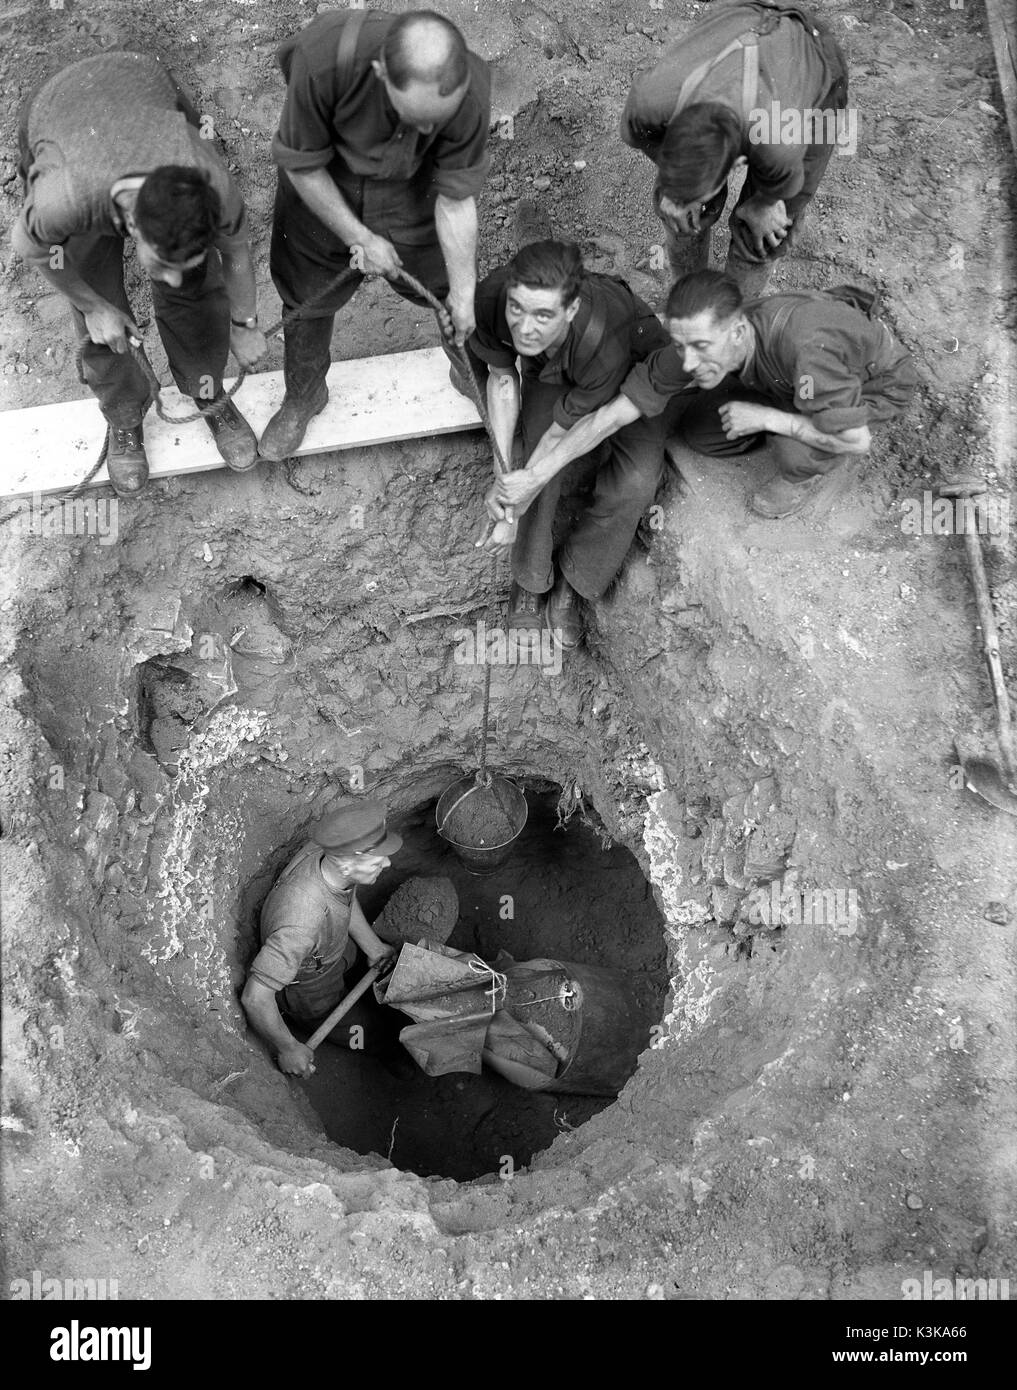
(990,648)
(343,1007)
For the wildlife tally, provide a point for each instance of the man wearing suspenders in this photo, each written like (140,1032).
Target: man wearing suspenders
(381,147)
(577,336)
(748,70)
(311,925)
(807,373)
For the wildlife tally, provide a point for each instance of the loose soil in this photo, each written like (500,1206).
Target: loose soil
(824,1113)
(569,899)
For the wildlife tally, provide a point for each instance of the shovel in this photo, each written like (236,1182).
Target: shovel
(346,1003)
(994,780)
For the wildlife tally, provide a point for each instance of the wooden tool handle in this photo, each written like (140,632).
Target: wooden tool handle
(990,649)
(343,1007)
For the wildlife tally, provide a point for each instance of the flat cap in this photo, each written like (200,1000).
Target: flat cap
(356,829)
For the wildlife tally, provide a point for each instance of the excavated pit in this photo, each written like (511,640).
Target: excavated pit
(561,895)
(255,648)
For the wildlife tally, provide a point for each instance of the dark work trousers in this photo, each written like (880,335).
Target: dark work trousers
(193,323)
(689,253)
(311,999)
(630,465)
(307,1005)
(305,256)
(701,428)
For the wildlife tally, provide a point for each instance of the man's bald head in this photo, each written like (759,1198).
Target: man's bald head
(424,47)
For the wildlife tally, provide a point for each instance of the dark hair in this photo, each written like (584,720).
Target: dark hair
(548,265)
(698,149)
(444,46)
(178,211)
(702,290)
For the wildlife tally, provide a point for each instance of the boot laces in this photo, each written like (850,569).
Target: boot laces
(125,438)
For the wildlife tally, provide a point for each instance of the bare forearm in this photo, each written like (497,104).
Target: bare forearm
(456,224)
(361,932)
(556,450)
(264,1017)
(795,426)
(503,404)
(322,196)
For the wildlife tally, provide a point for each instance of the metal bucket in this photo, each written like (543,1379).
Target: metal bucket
(612,1029)
(481,817)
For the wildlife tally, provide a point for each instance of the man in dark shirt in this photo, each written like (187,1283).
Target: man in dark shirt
(755,85)
(807,373)
(381,151)
(577,336)
(311,925)
(111,149)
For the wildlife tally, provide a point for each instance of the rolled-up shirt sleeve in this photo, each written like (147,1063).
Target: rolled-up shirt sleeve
(484,340)
(277,963)
(461,158)
(828,389)
(652,383)
(305,138)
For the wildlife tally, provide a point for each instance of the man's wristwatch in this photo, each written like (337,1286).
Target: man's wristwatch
(252,322)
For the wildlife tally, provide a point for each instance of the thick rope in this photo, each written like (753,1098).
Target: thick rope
(463,361)
(215,407)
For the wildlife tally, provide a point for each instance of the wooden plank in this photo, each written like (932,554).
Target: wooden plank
(373,400)
(1002,17)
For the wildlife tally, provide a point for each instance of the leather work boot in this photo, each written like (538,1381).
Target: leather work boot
(523,607)
(563,616)
(306,357)
(285,432)
(782,497)
(126,460)
(234,438)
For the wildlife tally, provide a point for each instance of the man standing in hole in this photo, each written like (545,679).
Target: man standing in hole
(111,149)
(311,926)
(381,147)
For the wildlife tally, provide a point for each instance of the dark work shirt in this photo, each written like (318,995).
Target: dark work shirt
(352,129)
(818,361)
(589,367)
(792,71)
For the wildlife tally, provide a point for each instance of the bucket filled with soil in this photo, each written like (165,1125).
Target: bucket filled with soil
(481,817)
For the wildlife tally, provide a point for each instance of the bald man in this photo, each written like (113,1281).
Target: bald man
(382,150)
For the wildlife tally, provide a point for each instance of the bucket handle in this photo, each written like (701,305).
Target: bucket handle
(458,802)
